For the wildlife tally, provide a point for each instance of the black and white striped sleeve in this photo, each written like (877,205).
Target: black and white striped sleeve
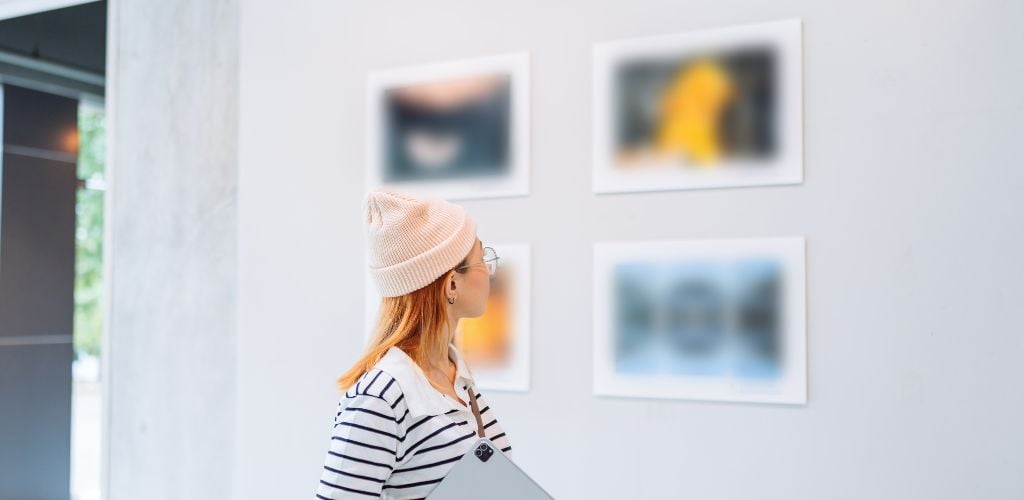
(363,449)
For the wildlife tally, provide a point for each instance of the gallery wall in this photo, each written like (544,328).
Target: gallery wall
(911,118)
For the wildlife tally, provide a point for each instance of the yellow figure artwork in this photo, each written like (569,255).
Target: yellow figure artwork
(691,110)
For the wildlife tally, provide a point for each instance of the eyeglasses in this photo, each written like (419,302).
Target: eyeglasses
(490,258)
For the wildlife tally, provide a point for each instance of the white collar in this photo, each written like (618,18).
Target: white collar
(420,396)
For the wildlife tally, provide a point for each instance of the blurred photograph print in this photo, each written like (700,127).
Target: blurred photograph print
(706,109)
(718,320)
(496,345)
(457,130)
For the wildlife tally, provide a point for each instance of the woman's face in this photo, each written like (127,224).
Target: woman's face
(470,287)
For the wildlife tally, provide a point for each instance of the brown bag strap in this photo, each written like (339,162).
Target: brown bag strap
(476,411)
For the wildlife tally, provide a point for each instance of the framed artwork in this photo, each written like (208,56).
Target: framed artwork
(717,320)
(456,130)
(704,109)
(496,345)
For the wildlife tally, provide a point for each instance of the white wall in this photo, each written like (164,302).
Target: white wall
(911,209)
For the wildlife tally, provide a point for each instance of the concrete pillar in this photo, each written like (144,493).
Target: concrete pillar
(172,98)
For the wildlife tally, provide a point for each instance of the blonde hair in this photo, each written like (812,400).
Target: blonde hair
(416,322)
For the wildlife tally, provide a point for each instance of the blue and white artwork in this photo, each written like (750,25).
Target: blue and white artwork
(709,319)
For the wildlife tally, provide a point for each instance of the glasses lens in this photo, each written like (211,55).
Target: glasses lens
(491,259)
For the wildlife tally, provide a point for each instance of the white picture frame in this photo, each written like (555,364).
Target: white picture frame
(786,164)
(517,183)
(787,386)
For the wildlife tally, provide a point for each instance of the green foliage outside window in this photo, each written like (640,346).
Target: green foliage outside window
(89,232)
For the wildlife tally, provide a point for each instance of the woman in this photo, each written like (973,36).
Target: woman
(406,415)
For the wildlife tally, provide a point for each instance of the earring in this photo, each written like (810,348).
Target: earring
(451,300)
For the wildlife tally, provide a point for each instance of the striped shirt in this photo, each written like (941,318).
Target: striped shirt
(396,437)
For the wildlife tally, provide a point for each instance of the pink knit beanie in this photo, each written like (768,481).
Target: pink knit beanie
(414,241)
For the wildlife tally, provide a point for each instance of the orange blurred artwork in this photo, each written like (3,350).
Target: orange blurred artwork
(486,341)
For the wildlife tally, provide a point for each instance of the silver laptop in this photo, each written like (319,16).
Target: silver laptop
(485,472)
